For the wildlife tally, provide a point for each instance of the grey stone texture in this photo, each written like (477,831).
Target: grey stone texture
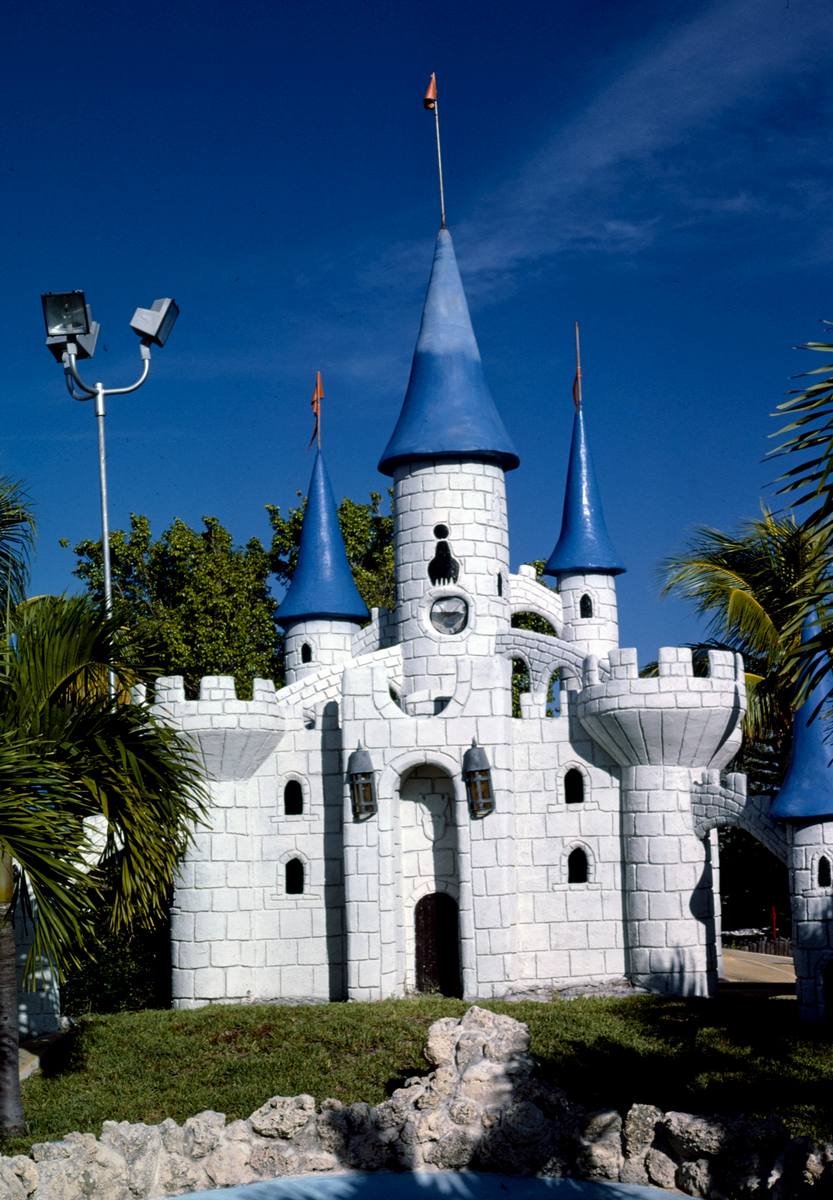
(483,1106)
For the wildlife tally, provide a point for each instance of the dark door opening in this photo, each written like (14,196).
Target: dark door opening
(437,945)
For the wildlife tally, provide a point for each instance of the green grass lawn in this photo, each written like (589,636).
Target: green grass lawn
(730,1055)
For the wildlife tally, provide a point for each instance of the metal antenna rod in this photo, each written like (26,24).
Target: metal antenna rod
(577,389)
(439,163)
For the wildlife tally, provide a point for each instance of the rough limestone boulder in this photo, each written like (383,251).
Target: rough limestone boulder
(483,1107)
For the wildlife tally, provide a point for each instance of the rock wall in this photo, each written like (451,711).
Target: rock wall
(483,1107)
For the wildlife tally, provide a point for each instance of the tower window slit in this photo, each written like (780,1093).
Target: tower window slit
(574,786)
(293,798)
(577,866)
(824,873)
(585,606)
(294,877)
(306,653)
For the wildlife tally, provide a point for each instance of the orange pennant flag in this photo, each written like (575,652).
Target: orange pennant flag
(429,100)
(577,389)
(315,405)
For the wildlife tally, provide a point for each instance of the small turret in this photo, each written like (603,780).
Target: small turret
(584,561)
(447,455)
(322,606)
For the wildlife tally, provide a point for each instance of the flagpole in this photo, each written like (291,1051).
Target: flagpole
(578,364)
(320,396)
(439,163)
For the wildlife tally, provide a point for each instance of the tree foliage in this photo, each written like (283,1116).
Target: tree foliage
(747,585)
(95,792)
(189,603)
(193,603)
(807,443)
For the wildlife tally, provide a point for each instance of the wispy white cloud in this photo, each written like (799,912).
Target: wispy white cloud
(675,135)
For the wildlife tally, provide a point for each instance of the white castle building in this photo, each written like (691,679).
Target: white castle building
(383,824)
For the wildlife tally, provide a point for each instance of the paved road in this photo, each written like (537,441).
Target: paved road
(745,966)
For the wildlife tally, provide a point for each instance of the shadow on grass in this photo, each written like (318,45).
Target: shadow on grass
(733,1055)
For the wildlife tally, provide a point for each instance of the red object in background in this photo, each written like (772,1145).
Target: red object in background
(774,924)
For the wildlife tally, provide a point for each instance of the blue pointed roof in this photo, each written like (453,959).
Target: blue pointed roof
(448,411)
(584,543)
(807,790)
(322,586)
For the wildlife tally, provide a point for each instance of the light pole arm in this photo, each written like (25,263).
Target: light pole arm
(72,376)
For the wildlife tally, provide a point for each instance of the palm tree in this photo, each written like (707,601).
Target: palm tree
(68,754)
(748,585)
(808,443)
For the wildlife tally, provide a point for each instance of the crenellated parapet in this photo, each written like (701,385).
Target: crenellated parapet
(234,737)
(675,718)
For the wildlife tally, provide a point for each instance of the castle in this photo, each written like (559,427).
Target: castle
(384,824)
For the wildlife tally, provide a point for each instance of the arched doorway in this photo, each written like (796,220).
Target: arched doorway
(429,881)
(437,945)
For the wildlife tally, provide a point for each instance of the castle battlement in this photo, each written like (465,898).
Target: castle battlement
(234,737)
(673,718)
(673,662)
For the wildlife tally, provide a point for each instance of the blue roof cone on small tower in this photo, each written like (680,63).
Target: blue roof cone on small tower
(807,790)
(584,544)
(448,411)
(322,586)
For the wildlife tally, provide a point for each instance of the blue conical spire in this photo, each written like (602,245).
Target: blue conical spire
(322,586)
(448,410)
(807,790)
(584,543)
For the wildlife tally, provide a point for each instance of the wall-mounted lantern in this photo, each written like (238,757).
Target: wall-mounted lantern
(477,776)
(362,784)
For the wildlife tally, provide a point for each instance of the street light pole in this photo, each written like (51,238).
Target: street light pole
(71,334)
(98,392)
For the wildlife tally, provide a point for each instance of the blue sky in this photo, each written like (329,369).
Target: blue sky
(658,170)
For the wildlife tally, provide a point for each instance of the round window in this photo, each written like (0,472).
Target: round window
(450,614)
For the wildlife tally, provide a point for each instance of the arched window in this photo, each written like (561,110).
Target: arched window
(824,876)
(294,877)
(293,798)
(585,606)
(574,786)
(306,653)
(577,866)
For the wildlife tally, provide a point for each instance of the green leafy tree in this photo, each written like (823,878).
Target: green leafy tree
(92,792)
(189,603)
(807,443)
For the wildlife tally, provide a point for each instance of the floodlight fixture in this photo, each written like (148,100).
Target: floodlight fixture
(71,335)
(70,327)
(65,314)
(154,324)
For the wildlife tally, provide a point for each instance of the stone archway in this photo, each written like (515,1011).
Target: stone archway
(429,880)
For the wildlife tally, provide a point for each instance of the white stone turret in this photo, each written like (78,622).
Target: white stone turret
(448,455)
(663,732)
(322,607)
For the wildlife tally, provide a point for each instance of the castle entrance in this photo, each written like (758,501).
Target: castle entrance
(429,881)
(437,945)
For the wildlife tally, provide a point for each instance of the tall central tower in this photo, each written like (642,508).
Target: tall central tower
(448,456)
